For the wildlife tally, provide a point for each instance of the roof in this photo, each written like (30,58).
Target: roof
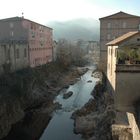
(21,18)
(120,15)
(11,19)
(37,23)
(122,38)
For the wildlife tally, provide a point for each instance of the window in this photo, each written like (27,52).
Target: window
(25,52)
(11,33)
(41,44)
(33,34)
(11,25)
(41,28)
(17,53)
(108,36)
(32,26)
(108,25)
(124,25)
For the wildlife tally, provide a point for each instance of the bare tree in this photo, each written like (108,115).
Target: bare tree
(69,53)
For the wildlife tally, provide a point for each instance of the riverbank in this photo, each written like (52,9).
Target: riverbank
(27,99)
(93,121)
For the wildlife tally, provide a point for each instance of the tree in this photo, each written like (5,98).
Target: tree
(69,53)
(63,52)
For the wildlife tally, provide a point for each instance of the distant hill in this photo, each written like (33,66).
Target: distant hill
(87,29)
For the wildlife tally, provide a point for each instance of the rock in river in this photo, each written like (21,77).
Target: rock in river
(67,95)
(89,81)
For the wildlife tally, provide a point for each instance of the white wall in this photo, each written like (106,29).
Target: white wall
(111,66)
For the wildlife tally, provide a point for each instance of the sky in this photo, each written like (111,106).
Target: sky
(44,11)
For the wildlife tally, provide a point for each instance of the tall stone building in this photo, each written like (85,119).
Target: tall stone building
(112,27)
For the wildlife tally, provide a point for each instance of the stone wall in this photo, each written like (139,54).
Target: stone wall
(125,127)
(9,61)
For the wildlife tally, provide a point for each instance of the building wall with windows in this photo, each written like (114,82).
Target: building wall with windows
(114,26)
(11,29)
(13,57)
(94,51)
(40,43)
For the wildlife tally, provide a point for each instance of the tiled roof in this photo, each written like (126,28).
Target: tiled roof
(122,38)
(21,18)
(120,15)
(11,19)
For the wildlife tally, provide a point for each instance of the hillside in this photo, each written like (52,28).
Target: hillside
(87,29)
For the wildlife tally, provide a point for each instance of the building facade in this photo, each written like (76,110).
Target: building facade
(94,51)
(38,38)
(114,26)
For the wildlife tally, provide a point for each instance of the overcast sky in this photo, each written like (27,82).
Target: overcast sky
(44,11)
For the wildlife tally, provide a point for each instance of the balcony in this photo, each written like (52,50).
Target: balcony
(132,68)
(128,59)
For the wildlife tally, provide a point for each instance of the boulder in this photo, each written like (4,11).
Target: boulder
(67,95)
(85,124)
(89,81)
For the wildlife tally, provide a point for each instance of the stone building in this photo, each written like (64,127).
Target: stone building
(38,38)
(94,51)
(114,26)
(13,56)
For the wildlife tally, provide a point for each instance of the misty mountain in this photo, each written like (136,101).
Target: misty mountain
(86,29)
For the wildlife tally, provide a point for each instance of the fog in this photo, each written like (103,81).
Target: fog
(87,29)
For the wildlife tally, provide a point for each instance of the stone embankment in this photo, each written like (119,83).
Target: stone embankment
(99,120)
(26,99)
(93,121)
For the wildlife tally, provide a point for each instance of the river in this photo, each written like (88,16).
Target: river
(61,125)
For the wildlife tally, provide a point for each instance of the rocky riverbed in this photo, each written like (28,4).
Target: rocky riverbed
(93,121)
(27,99)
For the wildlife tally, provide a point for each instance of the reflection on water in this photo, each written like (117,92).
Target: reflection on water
(61,126)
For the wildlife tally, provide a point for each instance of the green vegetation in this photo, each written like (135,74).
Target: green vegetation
(129,54)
